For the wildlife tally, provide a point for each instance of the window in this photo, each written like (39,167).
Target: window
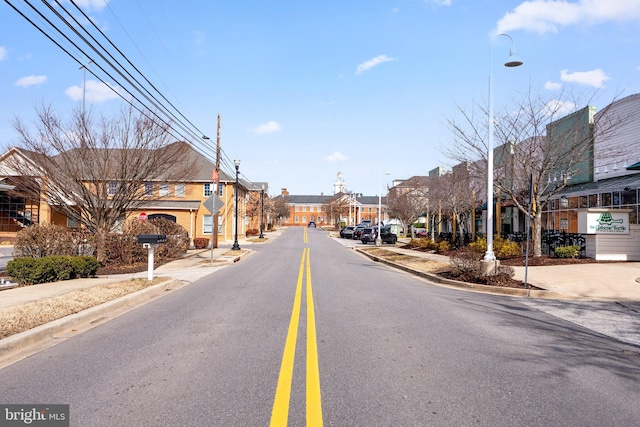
(220,189)
(164,189)
(72,222)
(207,189)
(207,224)
(112,188)
(180,190)
(148,188)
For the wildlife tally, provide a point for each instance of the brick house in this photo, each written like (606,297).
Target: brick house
(180,201)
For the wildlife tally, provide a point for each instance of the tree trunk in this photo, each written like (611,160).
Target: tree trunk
(536,235)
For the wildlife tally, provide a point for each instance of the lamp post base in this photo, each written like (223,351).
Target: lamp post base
(236,246)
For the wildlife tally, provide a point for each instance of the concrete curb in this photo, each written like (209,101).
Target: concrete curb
(25,342)
(530,293)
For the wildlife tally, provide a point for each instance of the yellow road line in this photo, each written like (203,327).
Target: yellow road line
(305,237)
(280,411)
(314,404)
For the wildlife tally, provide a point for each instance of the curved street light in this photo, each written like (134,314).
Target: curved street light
(513,61)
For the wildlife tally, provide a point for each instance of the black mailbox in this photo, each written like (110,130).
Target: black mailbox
(152,238)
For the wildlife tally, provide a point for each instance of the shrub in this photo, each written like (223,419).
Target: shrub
(41,240)
(466,264)
(479,245)
(200,242)
(467,267)
(22,270)
(124,249)
(31,271)
(253,232)
(84,266)
(442,247)
(567,251)
(502,248)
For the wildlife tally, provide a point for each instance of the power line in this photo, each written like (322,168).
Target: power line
(180,126)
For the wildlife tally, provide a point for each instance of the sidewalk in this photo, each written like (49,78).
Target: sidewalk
(615,281)
(195,264)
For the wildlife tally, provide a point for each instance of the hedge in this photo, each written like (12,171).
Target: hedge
(31,271)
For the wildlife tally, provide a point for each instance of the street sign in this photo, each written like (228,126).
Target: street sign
(213,204)
(143,216)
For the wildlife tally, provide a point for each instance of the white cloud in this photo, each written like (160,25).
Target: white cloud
(30,81)
(546,16)
(92,5)
(557,108)
(439,2)
(367,65)
(595,78)
(3,53)
(96,92)
(336,157)
(268,127)
(552,85)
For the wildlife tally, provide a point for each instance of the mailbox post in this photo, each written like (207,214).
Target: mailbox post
(151,241)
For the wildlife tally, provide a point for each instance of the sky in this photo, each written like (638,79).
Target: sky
(307,89)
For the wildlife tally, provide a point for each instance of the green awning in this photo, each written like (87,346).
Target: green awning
(634,167)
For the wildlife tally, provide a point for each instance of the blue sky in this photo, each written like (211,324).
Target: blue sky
(307,89)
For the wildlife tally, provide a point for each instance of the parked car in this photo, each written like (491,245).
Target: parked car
(370,235)
(347,232)
(388,237)
(357,232)
(311,224)
(421,232)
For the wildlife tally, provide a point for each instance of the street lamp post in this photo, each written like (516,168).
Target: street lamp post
(378,238)
(513,61)
(236,246)
(261,236)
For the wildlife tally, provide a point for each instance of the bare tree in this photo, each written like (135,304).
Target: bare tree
(535,139)
(407,202)
(95,169)
(279,207)
(454,195)
(338,207)
(253,206)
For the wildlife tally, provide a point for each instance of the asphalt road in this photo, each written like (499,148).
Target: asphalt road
(246,346)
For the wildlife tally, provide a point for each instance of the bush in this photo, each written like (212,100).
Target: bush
(201,242)
(124,249)
(502,248)
(31,271)
(41,240)
(567,251)
(442,247)
(253,232)
(467,267)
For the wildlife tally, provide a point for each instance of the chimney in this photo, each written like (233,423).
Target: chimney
(284,192)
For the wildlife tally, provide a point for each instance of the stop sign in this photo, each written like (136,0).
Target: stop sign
(143,216)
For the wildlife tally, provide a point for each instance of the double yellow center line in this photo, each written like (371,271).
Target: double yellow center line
(280,412)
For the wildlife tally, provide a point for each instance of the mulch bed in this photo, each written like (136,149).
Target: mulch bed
(503,279)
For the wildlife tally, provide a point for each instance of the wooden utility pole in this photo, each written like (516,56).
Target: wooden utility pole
(214,228)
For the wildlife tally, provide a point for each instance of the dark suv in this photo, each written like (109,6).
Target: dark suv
(370,234)
(357,232)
